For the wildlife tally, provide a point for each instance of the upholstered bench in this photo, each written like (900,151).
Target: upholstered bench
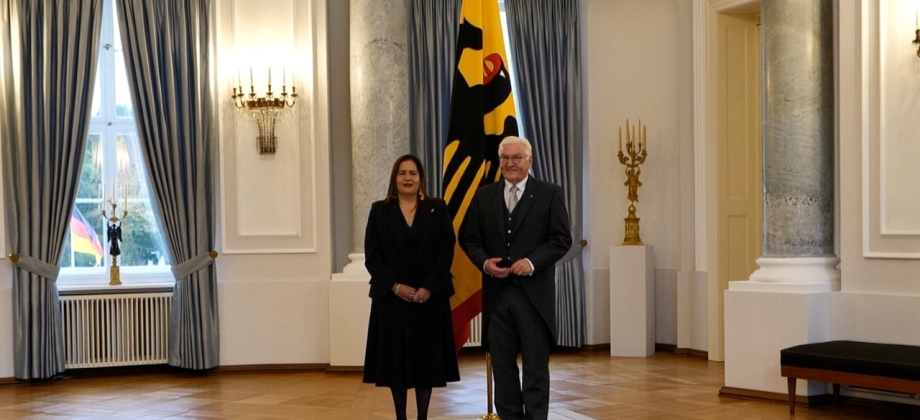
(889,367)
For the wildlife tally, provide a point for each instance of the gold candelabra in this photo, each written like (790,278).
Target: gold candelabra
(636,152)
(114,236)
(265,109)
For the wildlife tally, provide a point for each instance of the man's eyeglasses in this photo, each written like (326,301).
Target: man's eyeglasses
(516,158)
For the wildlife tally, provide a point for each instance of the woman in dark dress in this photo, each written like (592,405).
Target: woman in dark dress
(409,248)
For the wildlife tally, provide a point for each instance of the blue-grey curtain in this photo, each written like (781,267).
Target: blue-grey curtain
(168,57)
(48,69)
(433,28)
(545,46)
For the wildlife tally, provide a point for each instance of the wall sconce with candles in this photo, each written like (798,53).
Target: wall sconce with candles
(265,109)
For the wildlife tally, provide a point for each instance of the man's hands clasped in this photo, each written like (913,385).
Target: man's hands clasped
(520,267)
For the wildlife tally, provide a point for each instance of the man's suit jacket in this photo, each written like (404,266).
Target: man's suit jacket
(541,233)
(389,259)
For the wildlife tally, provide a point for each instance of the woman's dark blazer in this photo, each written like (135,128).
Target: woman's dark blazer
(389,259)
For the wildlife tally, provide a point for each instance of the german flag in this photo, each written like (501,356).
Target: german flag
(84,237)
(481,115)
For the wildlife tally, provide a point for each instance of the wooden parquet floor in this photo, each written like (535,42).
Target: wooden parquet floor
(586,384)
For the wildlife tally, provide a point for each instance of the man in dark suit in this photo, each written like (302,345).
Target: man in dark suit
(515,231)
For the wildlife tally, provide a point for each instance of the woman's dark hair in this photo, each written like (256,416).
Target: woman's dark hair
(392,192)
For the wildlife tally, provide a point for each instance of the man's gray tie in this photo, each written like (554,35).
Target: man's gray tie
(512,198)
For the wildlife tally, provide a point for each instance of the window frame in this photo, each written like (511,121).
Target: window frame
(109,125)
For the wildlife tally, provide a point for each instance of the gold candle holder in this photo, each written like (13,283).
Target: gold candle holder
(114,236)
(636,152)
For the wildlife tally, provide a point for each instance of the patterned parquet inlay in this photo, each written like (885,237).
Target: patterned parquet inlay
(585,384)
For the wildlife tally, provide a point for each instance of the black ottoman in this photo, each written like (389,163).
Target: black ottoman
(890,367)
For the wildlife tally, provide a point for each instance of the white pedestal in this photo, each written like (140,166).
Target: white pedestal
(632,300)
(349,310)
(760,323)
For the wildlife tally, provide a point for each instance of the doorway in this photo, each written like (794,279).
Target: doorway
(736,156)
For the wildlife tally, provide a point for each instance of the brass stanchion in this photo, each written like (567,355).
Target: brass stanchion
(490,415)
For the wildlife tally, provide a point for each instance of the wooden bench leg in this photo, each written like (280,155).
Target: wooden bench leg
(790,382)
(837,395)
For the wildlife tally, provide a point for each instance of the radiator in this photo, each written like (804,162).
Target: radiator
(475,339)
(115,329)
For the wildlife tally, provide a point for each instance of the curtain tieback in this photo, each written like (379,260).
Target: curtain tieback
(200,261)
(574,251)
(36,266)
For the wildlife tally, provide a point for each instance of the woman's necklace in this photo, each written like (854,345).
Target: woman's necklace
(409,214)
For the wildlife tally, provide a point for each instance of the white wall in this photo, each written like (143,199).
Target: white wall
(638,66)
(666,307)
(880,286)
(871,263)
(697,307)
(276,239)
(273,310)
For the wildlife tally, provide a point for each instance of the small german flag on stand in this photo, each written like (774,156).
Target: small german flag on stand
(84,237)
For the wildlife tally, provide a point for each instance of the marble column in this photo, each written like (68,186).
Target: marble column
(798,143)
(787,298)
(379,111)
(380,134)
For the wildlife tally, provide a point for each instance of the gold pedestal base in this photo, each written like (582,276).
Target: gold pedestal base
(114,276)
(632,228)
(490,416)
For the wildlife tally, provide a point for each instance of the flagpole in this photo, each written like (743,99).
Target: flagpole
(490,415)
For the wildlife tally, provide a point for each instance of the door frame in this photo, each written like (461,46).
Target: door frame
(705,140)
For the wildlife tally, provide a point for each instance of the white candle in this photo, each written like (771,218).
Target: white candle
(269,76)
(638,140)
(627,134)
(633,139)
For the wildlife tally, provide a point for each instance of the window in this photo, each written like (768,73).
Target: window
(112,168)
